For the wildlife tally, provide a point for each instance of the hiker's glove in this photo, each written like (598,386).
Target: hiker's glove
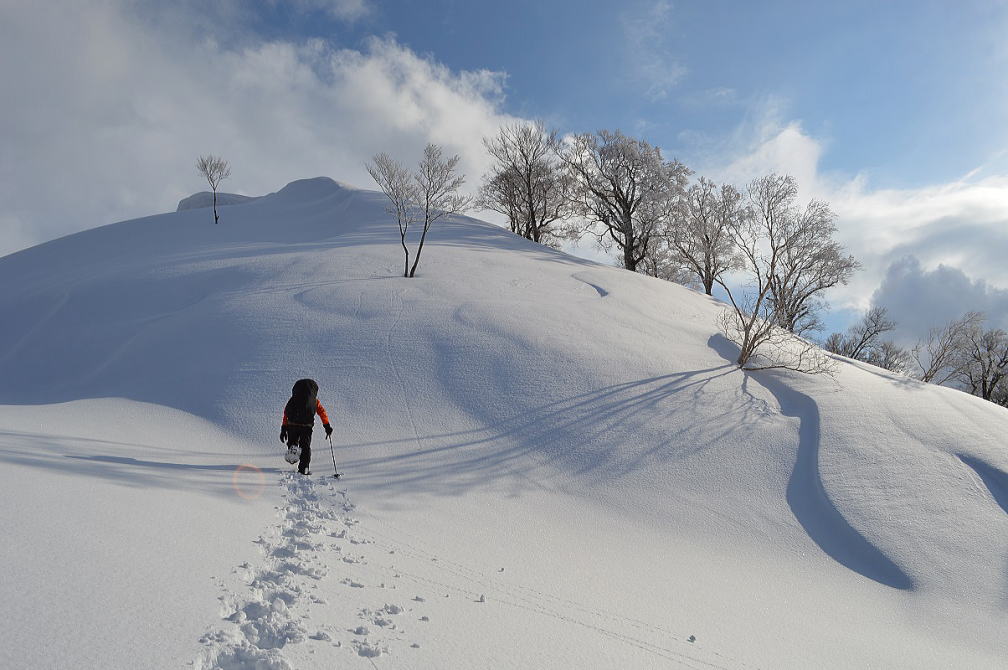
(328,429)
(283,434)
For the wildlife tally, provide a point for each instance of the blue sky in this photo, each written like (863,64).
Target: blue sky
(910,92)
(894,112)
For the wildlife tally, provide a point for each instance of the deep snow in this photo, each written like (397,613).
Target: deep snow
(549,463)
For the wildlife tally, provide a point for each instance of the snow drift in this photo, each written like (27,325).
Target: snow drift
(511,406)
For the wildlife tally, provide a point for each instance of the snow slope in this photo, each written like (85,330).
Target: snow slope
(549,463)
(206,199)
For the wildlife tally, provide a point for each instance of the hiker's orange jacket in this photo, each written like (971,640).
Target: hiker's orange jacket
(319,409)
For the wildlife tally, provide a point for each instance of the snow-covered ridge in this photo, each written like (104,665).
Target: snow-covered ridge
(510,407)
(304,190)
(206,199)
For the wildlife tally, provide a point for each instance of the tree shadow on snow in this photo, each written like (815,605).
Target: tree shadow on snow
(37,451)
(573,435)
(994,479)
(806,496)
(125,460)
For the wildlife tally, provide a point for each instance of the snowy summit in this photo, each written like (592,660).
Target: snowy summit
(547,463)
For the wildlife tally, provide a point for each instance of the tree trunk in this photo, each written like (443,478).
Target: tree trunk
(405,272)
(629,241)
(216,219)
(628,259)
(416,259)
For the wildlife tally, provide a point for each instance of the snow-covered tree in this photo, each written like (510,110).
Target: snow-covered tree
(777,248)
(985,370)
(437,187)
(809,259)
(527,182)
(624,189)
(660,261)
(698,236)
(428,195)
(215,169)
(501,192)
(397,184)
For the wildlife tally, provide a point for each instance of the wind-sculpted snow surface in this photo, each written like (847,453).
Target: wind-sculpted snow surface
(996,480)
(540,449)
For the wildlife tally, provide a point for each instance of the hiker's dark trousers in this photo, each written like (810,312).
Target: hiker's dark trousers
(301,436)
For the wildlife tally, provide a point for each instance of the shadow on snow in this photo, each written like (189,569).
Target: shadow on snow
(50,453)
(807,497)
(994,479)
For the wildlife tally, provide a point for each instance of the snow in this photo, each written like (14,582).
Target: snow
(547,463)
(206,199)
(112,525)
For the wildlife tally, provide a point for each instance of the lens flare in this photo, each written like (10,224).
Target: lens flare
(248,481)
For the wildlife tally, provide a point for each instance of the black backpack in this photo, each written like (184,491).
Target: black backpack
(300,408)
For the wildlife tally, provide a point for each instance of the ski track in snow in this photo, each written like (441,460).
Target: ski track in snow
(393,330)
(318,538)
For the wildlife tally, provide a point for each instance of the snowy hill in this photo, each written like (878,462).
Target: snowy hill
(549,463)
(206,199)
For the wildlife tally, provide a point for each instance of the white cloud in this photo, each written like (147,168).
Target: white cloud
(651,63)
(961,226)
(344,10)
(105,114)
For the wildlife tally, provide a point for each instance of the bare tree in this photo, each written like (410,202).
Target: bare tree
(966,355)
(397,183)
(861,342)
(624,188)
(862,338)
(437,193)
(766,238)
(835,344)
(699,236)
(810,260)
(890,356)
(766,346)
(527,182)
(985,372)
(660,261)
(216,170)
(501,192)
(427,196)
(1000,396)
(941,357)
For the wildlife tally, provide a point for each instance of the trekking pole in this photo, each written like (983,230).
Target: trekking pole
(333,454)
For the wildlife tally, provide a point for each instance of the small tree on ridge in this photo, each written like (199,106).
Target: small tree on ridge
(428,195)
(397,184)
(216,170)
